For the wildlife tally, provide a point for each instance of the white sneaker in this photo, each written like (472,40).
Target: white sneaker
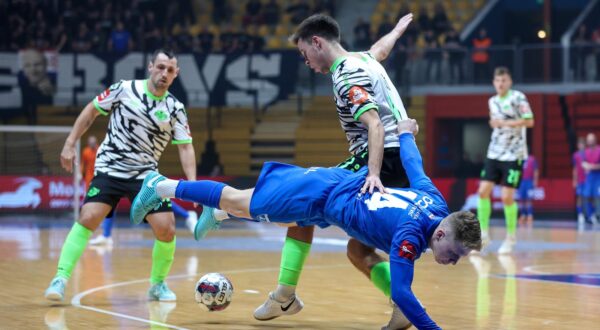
(191,220)
(485,240)
(580,221)
(101,240)
(594,219)
(159,311)
(507,245)
(398,320)
(273,308)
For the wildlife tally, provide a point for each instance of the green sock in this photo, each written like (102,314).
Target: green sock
(163,254)
(484,210)
(510,214)
(380,276)
(72,249)
(293,255)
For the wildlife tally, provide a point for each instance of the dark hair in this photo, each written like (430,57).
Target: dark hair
(317,25)
(169,53)
(466,229)
(502,70)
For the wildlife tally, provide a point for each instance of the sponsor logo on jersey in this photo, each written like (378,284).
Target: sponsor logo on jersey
(407,251)
(104,94)
(358,95)
(161,115)
(263,218)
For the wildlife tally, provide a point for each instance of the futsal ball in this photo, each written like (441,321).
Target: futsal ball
(214,291)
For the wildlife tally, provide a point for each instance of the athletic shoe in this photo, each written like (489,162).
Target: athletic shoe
(398,320)
(507,245)
(206,223)
(580,220)
(161,292)
(56,289)
(273,308)
(101,240)
(594,219)
(147,199)
(191,220)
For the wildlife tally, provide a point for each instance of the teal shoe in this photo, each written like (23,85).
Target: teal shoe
(161,292)
(206,223)
(56,289)
(147,199)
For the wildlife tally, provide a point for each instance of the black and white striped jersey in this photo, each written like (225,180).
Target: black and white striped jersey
(140,127)
(509,143)
(360,83)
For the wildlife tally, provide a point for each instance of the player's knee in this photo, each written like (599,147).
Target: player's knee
(165,233)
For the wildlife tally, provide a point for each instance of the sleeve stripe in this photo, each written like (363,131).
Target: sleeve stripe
(181,141)
(364,109)
(97,106)
(527,116)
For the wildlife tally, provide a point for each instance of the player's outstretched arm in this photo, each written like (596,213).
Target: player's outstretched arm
(82,124)
(404,298)
(382,48)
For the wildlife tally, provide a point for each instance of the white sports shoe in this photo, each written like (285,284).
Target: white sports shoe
(159,311)
(594,219)
(580,222)
(101,240)
(507,245)
(191,220)
(398,320)
(273,308)
(485,240)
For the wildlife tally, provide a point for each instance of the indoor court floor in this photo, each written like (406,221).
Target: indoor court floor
(552,281)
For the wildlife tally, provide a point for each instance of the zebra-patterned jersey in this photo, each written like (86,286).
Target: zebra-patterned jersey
(509,143)
(140,127)
(360,83)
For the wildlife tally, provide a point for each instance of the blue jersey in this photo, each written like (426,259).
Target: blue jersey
(399,222)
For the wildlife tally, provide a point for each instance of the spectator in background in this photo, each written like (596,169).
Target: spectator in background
(596,45)
(481,57)
(256,43)
(120,40)
(36,86)
(228,40)
(60,37)
(98,38)
(271,14)
(253,13)
(433,56)
(362,34)
(579,181)
(82,42)
(423,19)
(581,45)
(324,7)
(385,26)
(205,40)
(528,184)
(439,22)
(210,164)
(299,11)
(221,11)
(455,56)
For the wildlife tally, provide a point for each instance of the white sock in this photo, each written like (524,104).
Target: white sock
(284,292)
(220,215)
(166,188)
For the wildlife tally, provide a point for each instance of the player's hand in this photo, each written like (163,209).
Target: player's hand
(408,125)
(496,123)
(67,158)
(586,166)
(403,24)
(372,182)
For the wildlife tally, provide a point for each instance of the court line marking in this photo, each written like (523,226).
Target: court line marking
(76,300)
(532,268)
(515,276)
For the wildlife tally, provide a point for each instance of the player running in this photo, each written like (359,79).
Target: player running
(144,118)
(402,222)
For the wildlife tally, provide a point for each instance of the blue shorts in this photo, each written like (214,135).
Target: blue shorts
(525,189)
(287,193)
(592,185)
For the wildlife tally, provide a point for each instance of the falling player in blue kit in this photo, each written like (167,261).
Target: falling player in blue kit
(401,222)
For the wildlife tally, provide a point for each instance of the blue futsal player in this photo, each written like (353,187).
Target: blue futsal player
(402,222)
